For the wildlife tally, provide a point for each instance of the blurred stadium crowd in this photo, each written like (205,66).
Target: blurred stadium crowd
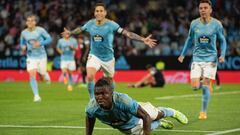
(167,20)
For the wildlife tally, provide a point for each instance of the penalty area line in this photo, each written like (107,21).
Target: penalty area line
(225,131)
(99,128)
(196,95)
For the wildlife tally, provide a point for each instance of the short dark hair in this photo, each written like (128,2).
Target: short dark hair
(206,1)
(104,82)
(100,4)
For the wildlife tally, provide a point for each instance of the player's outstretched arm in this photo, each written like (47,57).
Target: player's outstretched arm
(148,40)
(90,122)
(73,32)
(146,120)
(181,58)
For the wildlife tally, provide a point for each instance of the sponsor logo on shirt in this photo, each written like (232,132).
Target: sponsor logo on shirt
(98,38)
(204,40)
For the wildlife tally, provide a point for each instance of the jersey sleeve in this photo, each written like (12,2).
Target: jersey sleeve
(46,37)
(116,28)
(59,44)
(221,37)
(189,41)
(128,104)
(23,42)
(86,26)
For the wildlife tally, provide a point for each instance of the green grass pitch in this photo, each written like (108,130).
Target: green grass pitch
(62,112)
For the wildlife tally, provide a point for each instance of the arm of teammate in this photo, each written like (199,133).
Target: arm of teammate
(141,113)
(23,44)
(59,51)
(223,44)
(58,48)
(90,122)
(87,47)
(147,40)
(187,45)
(73,32)
(47,38)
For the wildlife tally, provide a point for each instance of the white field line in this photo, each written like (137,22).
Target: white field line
(196,95)
(225,132)
(98,128)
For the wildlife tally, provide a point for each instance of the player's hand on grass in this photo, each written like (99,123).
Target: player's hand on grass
(149,41)
(180,59)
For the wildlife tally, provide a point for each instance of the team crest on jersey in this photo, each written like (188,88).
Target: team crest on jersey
(98,38)
(204,40)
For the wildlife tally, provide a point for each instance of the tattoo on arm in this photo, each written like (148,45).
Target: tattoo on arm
(76,31)
(132,35)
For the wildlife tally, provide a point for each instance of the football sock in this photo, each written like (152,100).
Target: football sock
(168,112)
(34,85)
(47,77)
(70,82)
(64,75)
(205,97)
(155,124)
(91,89)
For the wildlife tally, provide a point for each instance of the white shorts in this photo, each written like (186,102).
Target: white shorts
(203,69)
(107,67)
(39,64)
(152,112)
(70,65)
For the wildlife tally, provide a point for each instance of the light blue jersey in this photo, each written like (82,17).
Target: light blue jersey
(122,115)
(102,38)
(64,45)
(38,34)
(203,38)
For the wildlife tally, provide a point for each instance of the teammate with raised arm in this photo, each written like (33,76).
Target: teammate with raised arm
(101,55)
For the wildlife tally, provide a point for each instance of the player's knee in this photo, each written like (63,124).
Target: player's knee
(32,77)
(90,77)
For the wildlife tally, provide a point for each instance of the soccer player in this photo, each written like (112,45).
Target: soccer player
(101,32)
(120,111)
(66,46)
(33,41)
(154,78)
(81,58)
(202,35)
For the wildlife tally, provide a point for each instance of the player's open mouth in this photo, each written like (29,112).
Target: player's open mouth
(100,102)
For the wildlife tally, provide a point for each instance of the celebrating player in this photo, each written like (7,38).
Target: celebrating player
(66,47)
(33,39)
(202,35)
(101,32)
